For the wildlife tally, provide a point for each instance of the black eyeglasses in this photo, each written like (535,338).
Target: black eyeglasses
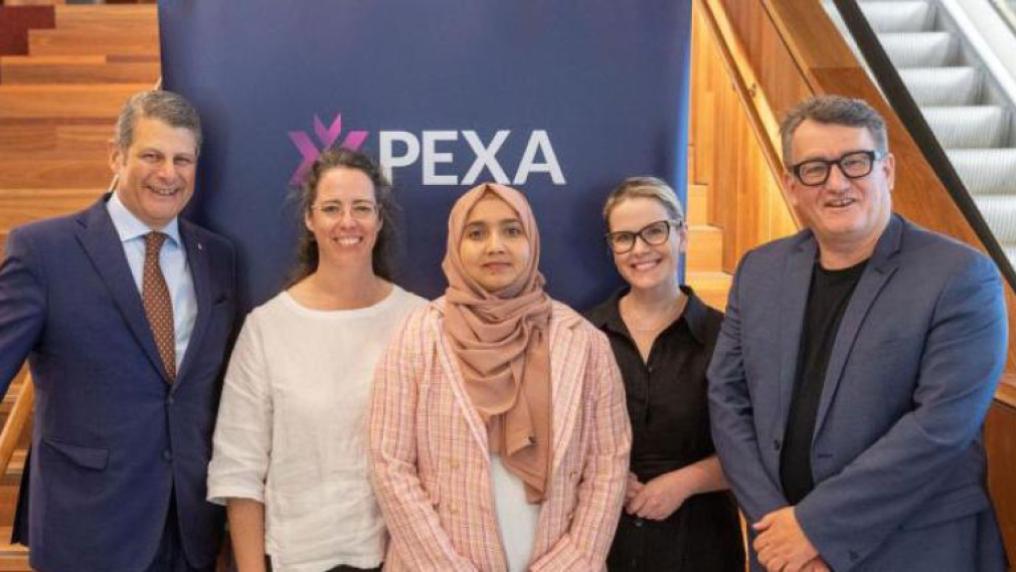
(853,165)
(653,234)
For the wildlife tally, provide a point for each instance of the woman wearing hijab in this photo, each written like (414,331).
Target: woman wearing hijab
(498,434)
(289,456)
(678,514)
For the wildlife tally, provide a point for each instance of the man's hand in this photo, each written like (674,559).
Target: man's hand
(660,497)
(816,565)
(782,545)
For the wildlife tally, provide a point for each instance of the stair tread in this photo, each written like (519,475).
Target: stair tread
(129,40)
(91,101)
(938,86)
(89,16)
(897,16)
(986,171)
(919,49)
(959,127)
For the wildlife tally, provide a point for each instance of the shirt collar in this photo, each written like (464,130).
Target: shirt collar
(608,316)
(129,227)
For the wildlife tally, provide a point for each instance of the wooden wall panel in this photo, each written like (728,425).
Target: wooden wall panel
(732,156)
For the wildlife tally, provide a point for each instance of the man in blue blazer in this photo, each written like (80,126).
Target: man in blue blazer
(124,312)
(854,369)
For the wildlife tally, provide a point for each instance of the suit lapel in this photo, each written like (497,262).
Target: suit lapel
(102,245)
(197,262)
(793,300)
(568,355)
(880,268)
(451,368)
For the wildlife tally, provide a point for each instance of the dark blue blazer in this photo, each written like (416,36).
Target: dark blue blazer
(112,441)
(896,453)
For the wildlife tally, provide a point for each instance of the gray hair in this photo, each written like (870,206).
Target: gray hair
(166,106)
(644,188)
(836,110)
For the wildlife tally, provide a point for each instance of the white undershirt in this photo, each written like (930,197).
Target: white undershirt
(291,431)
(516,517)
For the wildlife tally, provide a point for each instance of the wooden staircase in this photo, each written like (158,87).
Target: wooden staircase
(59,98)
(704,259)
(58,103)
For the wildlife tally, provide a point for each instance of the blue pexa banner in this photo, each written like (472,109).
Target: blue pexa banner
(561,100)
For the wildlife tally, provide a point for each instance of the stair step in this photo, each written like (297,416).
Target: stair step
(999,211)
(20,206)
(919,49)
(17,465)
(698,206)
(986,171)
(59,42)
(42,173)
(969,127)
(56,140)
(705,248)
(78,69)
(712,287)
(13,557)
(66,101)
(959,85)
(109,18)
(911,16)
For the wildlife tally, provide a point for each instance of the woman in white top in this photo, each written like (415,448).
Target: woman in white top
(289,457)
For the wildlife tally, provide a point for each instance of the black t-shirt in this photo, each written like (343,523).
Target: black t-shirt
(828,297)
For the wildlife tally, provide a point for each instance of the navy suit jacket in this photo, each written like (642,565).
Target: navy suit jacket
(897,444)
(112,441)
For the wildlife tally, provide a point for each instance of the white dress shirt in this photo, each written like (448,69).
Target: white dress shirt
(172,260)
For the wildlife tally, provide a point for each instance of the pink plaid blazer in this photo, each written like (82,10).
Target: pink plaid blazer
(431,464)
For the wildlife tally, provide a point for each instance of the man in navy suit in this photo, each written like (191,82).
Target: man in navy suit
(854,369)
(124,312)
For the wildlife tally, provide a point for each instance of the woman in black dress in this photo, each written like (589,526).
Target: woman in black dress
(678,513)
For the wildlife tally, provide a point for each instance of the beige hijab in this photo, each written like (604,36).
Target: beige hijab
(501,342)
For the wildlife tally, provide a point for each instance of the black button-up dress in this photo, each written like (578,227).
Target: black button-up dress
(667,404)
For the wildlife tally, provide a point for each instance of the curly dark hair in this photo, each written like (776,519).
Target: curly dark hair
(307,256)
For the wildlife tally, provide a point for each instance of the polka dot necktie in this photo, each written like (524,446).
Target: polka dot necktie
(158,306)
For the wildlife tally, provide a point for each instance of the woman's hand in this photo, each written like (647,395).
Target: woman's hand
(632,488)
(660,497)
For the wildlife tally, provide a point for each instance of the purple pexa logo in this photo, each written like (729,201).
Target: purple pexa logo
(327,136)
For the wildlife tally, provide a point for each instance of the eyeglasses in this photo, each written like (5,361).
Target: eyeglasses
(853,165)
(358,210)
(653,234)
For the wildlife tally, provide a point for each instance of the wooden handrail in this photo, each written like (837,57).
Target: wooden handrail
(761,118)
(16,422)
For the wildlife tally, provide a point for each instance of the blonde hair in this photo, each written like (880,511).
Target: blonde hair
(644,188)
